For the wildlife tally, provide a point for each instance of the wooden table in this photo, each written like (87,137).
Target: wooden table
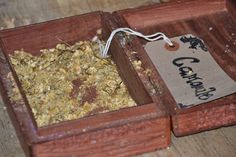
(216,143)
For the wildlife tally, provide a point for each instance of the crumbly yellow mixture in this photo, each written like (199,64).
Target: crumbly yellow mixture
(69,82)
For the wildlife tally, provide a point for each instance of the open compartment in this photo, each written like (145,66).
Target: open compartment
(213,21)
(123,132)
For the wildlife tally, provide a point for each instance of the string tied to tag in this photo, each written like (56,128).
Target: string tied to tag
(152,37)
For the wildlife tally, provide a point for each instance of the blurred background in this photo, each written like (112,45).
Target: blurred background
(22,12)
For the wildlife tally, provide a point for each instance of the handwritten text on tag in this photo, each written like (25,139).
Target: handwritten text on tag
(189,71)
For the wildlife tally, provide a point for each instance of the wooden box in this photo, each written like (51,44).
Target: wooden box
(124,132)
(212,20)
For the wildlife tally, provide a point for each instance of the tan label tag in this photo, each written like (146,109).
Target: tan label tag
(189,71)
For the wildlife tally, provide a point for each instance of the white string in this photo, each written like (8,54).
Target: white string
(152,37)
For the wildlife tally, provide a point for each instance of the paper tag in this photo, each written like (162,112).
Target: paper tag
(189,71)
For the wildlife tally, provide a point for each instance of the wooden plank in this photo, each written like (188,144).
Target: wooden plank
(9,144)
(217,143)
(125,140)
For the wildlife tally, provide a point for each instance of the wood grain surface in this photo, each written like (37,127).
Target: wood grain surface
(217,143)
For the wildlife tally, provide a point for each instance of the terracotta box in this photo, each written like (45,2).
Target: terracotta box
(120,133)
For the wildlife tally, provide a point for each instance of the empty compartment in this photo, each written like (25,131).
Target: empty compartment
(213,21)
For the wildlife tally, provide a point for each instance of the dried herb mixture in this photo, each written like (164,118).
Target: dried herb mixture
(69,82)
